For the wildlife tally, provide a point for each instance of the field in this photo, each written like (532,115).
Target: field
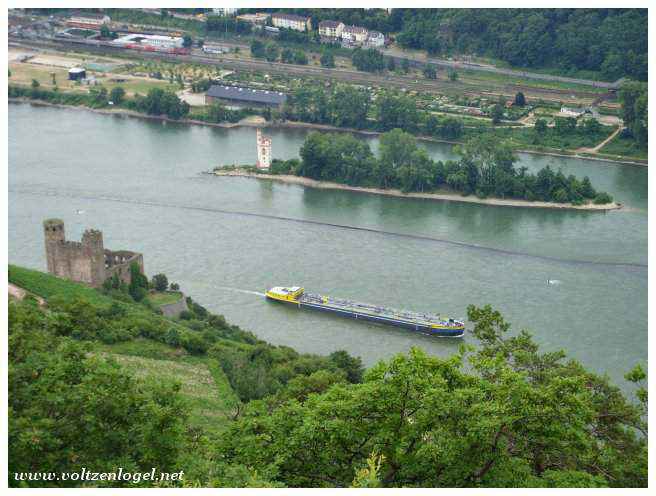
(48,286)
(164,298)
(42,70)
(624,147)
(202,382)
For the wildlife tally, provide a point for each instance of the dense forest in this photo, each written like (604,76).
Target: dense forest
(502,414)
(486,169)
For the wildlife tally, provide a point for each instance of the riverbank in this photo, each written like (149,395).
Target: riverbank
(442,196)
(249,122)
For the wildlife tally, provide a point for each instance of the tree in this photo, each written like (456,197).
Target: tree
(633,97)
(138,282)
(397,111)
(175,286)
(187,41)
(160,282)
(496,113)
(300,58)
(405,66)
(287,56)
(430,72)
(62,400)
(502,415)
(104,32)
(453,75)
(257,49)
(117,95)
(271,52)
(327,59)
(369,60)
(520,99)
(35,84)
(541,127)
(391,64)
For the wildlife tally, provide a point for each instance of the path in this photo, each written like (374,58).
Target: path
(595,149)
(19,293)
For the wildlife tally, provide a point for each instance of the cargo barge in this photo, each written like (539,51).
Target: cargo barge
(420,322)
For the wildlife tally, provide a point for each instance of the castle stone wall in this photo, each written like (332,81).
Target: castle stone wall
(86,261)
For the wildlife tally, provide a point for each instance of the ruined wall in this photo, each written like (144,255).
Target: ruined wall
(118,262)
(86,261)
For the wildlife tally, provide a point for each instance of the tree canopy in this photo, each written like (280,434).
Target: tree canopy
(486,168)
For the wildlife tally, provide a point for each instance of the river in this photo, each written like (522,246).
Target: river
(224,240)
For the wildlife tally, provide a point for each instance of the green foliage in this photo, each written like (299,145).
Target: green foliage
(160,282)
(496,113)
(486,167)
(613,42)
(327,59)
(271,52)
(520,99)
(68,410)
(633,97)
(117,95)
(187,41)
(369,60)
(257,49)
(512,418)
(430,72)
(160,102)
(48,286)
(500,415)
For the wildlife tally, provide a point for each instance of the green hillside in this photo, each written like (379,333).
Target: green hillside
(100,381)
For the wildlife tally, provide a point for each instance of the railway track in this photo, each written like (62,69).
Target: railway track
(355,77)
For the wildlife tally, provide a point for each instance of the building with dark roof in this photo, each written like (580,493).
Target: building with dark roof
(245,97)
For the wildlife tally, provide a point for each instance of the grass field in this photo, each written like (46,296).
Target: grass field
(625,148)
(203,383)
(47,286)
(24,73)
(164,297)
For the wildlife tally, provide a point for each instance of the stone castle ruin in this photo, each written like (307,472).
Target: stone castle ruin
(87,260)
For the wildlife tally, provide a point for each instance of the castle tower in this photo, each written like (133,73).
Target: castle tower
(263,151)
(53,230)
(92,243)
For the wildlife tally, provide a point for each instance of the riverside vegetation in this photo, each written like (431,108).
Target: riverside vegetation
(350,107)
(486,169)
(501,414)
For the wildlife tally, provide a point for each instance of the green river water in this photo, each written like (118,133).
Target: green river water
(224,240)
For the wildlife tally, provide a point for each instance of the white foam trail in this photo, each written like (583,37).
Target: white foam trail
(237,290)
(554,282)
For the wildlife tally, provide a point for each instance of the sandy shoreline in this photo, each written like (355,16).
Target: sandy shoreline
(312,183)
(298,125)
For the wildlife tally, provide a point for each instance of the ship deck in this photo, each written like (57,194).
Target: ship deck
(378,311)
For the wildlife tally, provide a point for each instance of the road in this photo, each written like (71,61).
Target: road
(439,86)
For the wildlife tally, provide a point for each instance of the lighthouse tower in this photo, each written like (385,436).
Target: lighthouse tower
(263,151)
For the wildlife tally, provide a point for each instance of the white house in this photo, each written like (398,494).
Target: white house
(225,11)
(291,21)
(354,35)
(331,29)
(375,39)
